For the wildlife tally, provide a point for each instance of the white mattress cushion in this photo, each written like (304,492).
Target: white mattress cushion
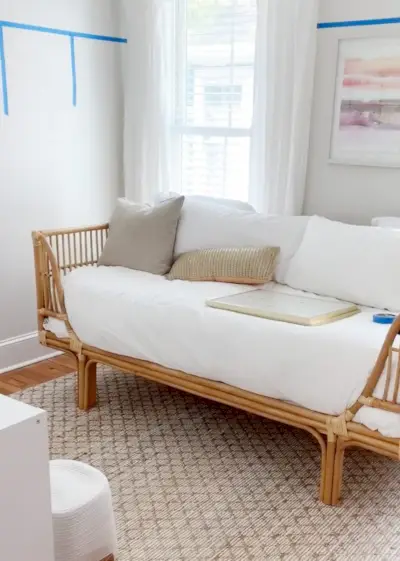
(204,226)
(145,316)
(386,222)
(359,264)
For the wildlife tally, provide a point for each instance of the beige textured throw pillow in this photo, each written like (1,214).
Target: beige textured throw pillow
(248,265)
(142,237)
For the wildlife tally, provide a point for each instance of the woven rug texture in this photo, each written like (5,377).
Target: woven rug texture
(193,480)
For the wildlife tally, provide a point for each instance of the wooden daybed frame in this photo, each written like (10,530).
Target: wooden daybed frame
(59,251)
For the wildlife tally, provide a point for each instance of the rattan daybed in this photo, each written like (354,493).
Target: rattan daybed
(60,251)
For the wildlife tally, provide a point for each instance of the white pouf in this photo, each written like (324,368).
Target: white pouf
(83,518)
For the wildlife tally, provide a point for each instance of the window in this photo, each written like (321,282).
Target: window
(214,59)
(222,95)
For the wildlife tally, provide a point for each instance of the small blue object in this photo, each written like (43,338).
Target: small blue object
(383,318)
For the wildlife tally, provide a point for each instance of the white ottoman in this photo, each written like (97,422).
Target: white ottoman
(83,518)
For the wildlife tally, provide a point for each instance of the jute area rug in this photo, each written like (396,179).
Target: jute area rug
(197,481)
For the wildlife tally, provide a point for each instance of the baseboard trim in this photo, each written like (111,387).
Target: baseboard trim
(18,339)
(29,362)
(22,350)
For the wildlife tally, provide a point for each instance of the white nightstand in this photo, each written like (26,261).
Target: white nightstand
(26,532)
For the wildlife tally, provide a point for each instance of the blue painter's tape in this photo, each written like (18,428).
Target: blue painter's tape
(383,318)
(3,73)
(357,23)
(65,32)
(73,70)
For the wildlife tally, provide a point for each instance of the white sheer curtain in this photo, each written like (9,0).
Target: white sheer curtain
(284,73)
(284,69)
(146,69)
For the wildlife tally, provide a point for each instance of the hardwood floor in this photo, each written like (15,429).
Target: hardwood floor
(38,373)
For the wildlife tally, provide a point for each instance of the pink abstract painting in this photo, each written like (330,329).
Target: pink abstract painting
(367,113)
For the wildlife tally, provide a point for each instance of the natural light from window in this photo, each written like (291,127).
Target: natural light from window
(215,46)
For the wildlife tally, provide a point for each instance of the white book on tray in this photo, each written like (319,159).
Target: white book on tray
(291,308)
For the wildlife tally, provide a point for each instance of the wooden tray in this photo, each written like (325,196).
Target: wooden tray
(303,310)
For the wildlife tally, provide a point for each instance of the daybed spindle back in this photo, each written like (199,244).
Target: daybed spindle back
(58,252)
(386,366)
(77,247)
(390,398)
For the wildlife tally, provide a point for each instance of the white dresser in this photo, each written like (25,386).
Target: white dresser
(25,508)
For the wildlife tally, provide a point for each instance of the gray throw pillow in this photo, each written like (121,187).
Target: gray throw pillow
(142,237)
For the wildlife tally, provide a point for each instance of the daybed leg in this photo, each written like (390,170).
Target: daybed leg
(86,382)
(81,361)
(328,470)
(338,471)
(90,383)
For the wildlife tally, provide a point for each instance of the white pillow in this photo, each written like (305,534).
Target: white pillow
(231,203)
(386,222)
(360,264)
(205,226)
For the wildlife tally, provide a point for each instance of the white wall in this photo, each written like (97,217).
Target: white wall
(60,165)
(350,193)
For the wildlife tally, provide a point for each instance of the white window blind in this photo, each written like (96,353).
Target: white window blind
(213,91)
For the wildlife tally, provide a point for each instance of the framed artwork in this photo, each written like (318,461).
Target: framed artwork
(366,122)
